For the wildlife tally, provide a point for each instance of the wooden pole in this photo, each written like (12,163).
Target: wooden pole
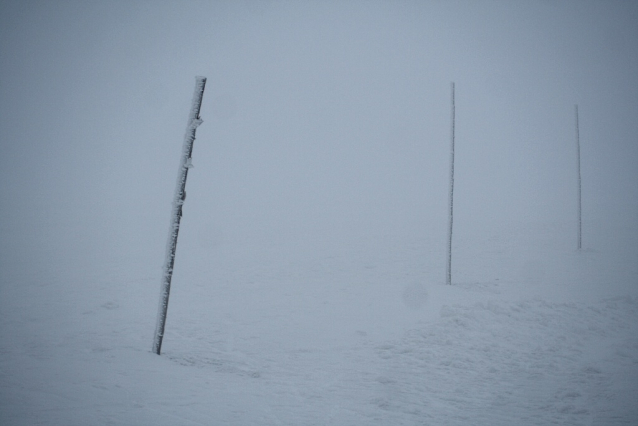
(178,200)
(580,210)
(451,200)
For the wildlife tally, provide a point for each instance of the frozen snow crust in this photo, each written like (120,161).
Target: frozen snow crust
(319,329)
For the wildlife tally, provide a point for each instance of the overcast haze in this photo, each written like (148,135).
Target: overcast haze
(320,118)
(309,283)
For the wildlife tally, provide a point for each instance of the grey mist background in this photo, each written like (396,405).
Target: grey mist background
(321,119)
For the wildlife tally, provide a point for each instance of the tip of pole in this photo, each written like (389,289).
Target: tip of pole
(200,78)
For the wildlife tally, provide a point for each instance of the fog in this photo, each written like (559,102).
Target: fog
(322,120)
(309,283)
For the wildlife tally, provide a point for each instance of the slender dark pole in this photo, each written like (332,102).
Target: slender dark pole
(580,216)
(451,216)
(178,200)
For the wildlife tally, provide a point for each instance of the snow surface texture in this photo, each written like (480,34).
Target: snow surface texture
(359,331)
(308,287)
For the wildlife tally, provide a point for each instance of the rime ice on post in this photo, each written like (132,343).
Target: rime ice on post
(178,200)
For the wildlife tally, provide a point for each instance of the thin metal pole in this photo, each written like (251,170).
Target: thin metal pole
(580,216)
(451,216)
(178,200)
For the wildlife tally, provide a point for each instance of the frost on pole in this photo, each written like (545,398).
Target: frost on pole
(178,200)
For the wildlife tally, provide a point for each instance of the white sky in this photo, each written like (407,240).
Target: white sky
(317,115)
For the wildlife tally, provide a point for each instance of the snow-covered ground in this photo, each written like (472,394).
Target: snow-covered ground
(321,328)
(309,278)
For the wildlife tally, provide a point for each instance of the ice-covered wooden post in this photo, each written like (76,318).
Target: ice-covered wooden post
(178,200)
(448,278)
